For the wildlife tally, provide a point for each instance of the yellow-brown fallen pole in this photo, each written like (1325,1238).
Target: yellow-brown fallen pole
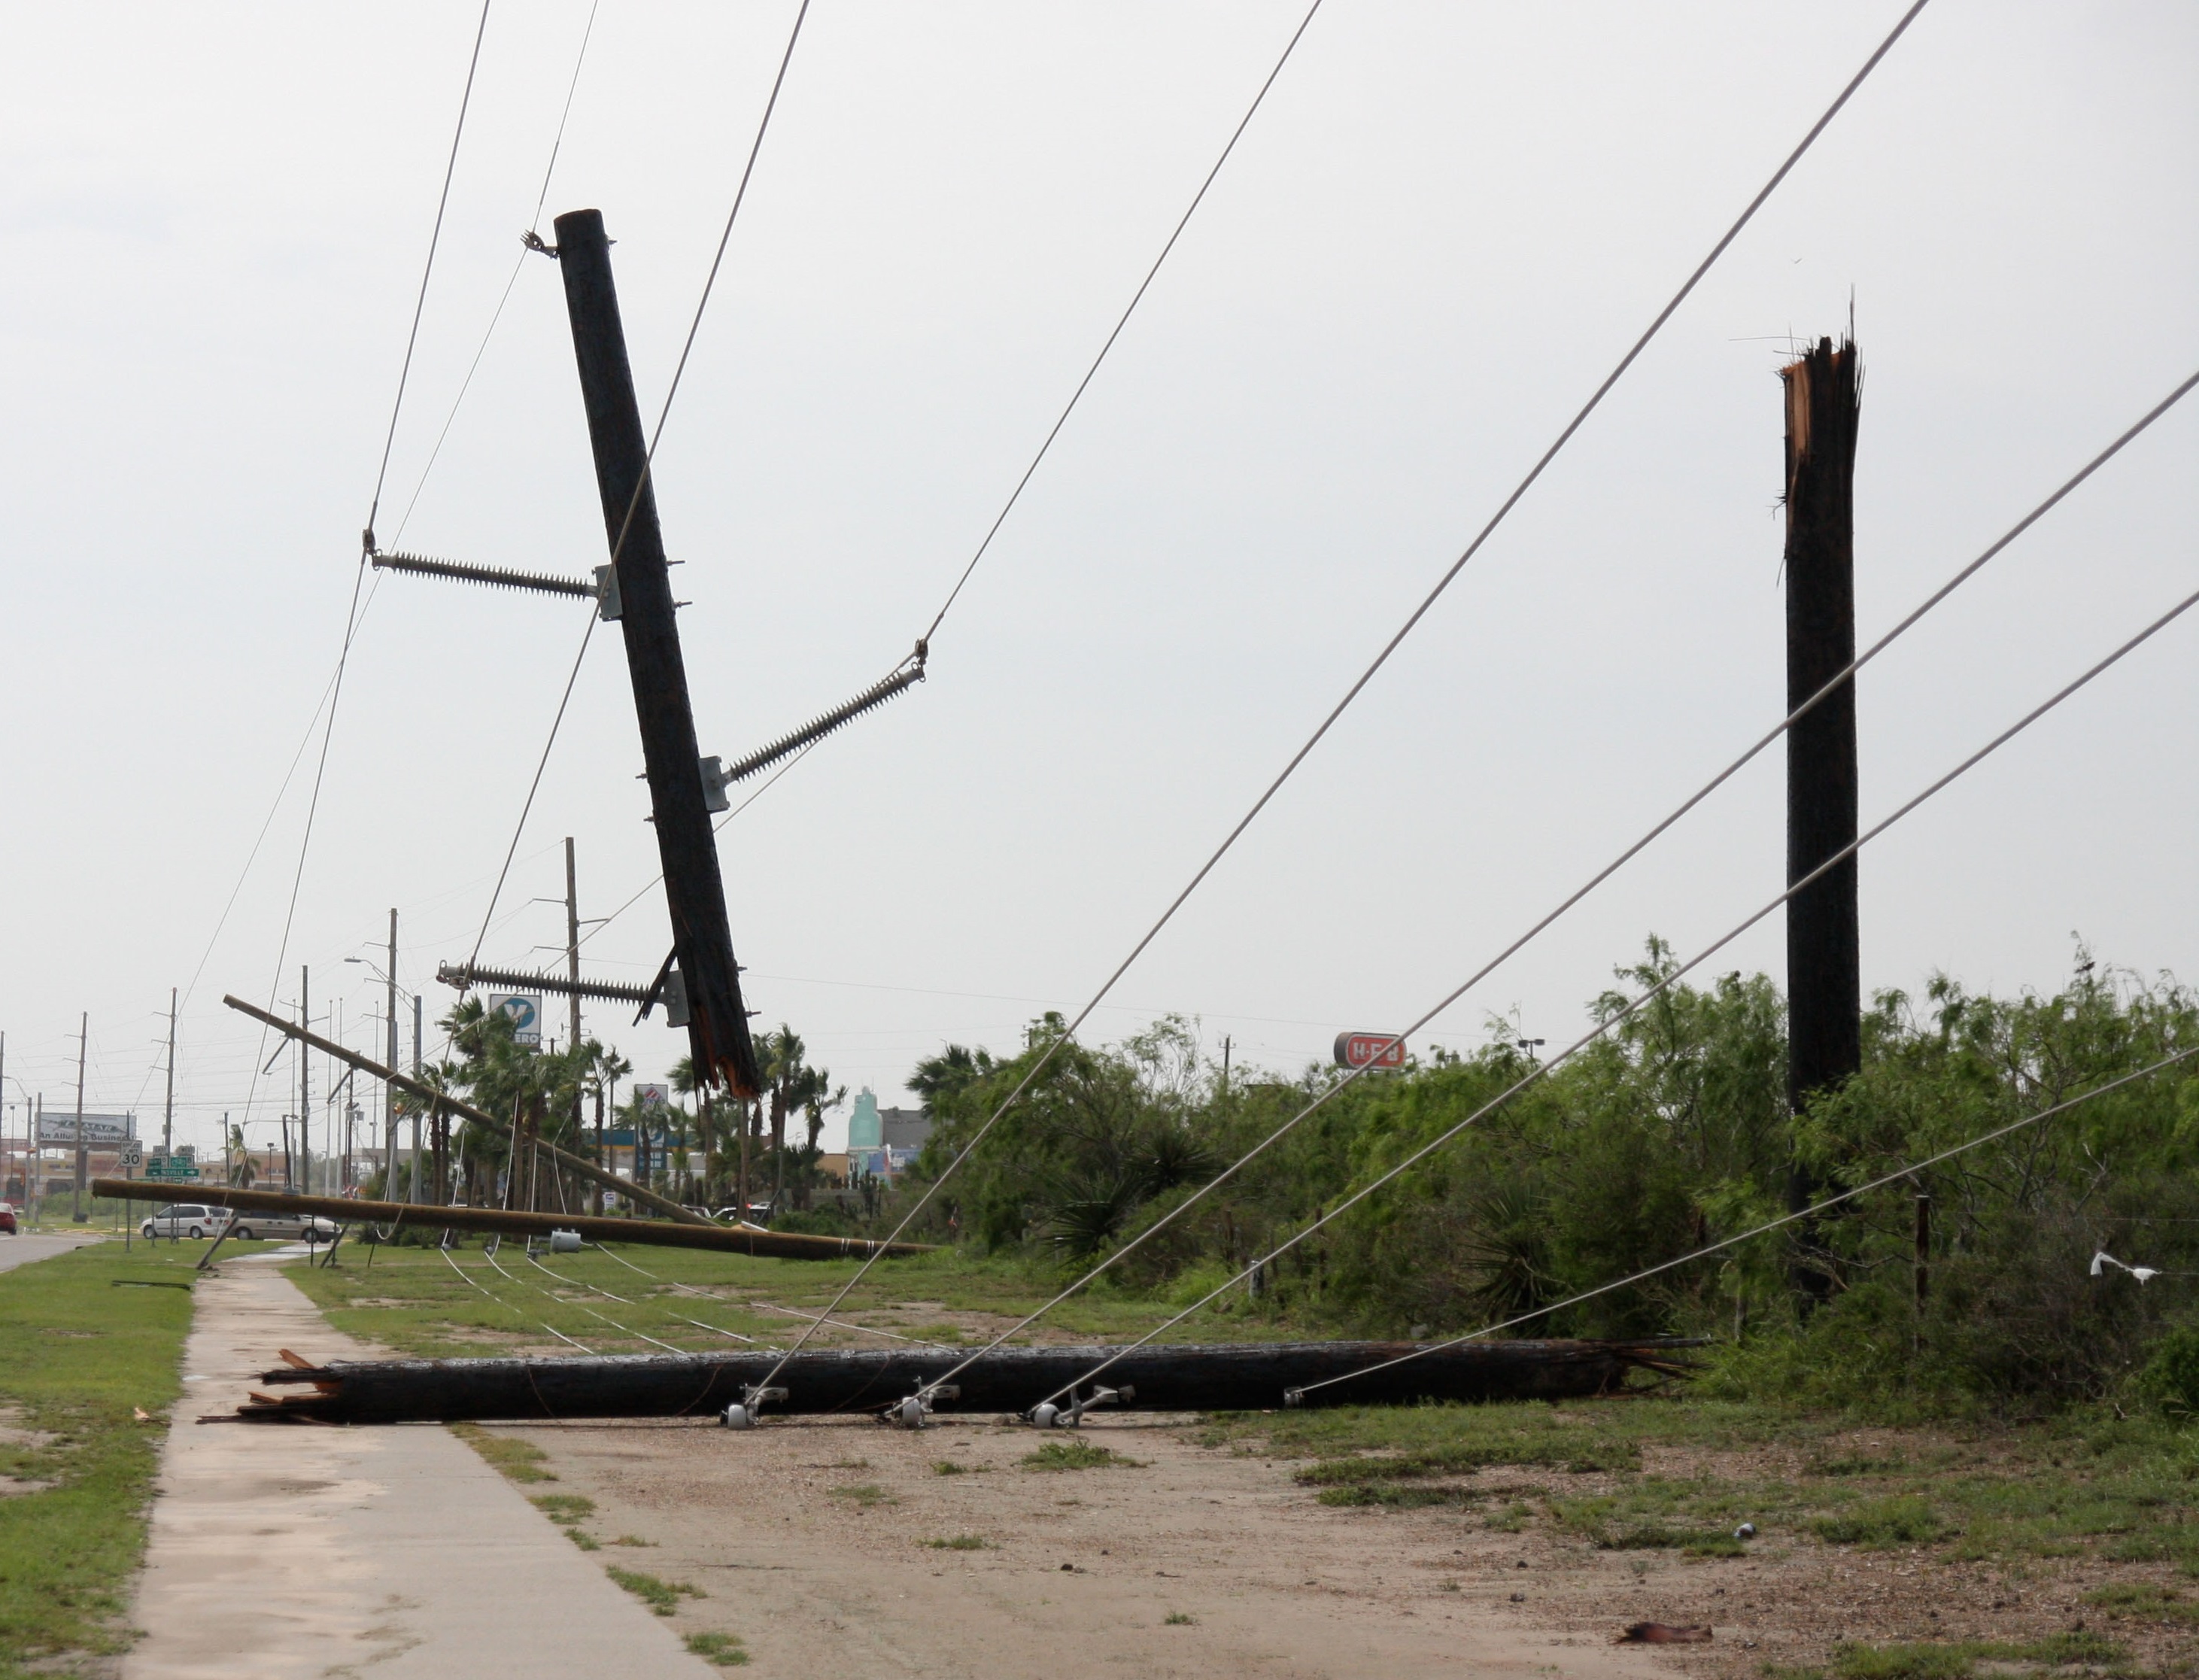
(348,1210)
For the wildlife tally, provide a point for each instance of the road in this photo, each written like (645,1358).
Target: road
(40,1245)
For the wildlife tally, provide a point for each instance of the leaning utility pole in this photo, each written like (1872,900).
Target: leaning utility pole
(1824,984)
(83,1037)
(168,1112)
(694,890)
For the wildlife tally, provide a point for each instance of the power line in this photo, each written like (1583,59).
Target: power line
(1392,645)
(923,645)
(1770,1225)
(1543,1069)
(528,243)
(1136,297)
(649,461)
(533,787)
(719,828)
(427,270)
(1839,679)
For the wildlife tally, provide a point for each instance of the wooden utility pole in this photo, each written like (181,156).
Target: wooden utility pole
(573,947)
(389,1091)
(83,1037)
(1824,984)
(168,1112)
(694,890)
(305,1083)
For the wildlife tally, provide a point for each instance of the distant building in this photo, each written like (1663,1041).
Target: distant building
(884,1141)
(904,1128)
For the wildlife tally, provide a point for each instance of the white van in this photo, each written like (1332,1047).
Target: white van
(185,1219)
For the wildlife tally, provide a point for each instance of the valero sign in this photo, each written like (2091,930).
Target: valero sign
(1365,1049)
(525,1009)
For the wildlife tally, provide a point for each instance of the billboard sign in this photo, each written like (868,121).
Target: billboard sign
(1366,1049)
(653,1098)
(525,1009)
(101,1131)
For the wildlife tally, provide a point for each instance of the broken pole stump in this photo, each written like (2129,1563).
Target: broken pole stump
(1824,982)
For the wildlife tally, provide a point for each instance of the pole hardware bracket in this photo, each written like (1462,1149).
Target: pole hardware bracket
(1047,1416)
(742,1414)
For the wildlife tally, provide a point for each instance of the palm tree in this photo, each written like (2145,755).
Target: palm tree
(792,1084)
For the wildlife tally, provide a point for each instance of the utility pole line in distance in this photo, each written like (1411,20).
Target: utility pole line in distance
(389,1091)
(83,1038)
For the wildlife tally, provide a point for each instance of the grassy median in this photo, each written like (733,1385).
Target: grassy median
(88,1340)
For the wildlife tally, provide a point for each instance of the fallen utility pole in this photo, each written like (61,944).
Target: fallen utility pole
(510,1222)
(1243,1378)
(427,1094)
(694,890)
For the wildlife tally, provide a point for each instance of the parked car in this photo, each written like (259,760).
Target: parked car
(184,1219)
(283,1227)
(8,1217)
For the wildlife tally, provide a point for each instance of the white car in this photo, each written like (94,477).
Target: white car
(185,1219)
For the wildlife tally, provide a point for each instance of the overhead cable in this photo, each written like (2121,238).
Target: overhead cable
(649,461)
(1542,1070)
(531,241)
(1839,679)
(1420,611)
(427,272)
(1136,297)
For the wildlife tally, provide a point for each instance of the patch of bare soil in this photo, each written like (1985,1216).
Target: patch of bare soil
(842,1544)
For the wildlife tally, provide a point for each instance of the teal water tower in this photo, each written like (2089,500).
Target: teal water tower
(865,1129)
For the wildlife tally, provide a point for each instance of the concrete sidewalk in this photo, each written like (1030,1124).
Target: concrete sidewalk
(295,1551)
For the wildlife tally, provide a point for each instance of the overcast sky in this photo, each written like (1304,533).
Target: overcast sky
(1441,230)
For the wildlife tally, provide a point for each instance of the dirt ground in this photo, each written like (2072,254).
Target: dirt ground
(819,1544)
(1228,1547)
(829,1541)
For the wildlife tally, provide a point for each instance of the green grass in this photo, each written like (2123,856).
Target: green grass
(864,1493)
(961,1542)
(1177,1619)
(2086,1486)
(2145,1598)
(568,1511)
(1903,1519)
(78,1358)
(724,1649)
(1390,1496)
(518,1461)
(1077,1455)
(661,1596)
(948,1467)
(411,1300)
(1957,1660)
